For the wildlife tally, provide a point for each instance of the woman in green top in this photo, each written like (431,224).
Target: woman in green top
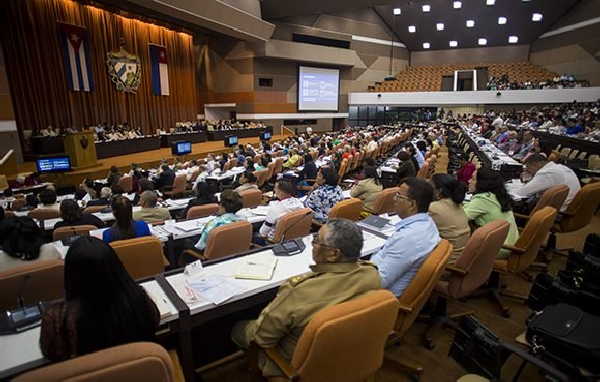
(490,202)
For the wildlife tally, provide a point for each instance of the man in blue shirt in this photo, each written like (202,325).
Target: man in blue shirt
(415,237)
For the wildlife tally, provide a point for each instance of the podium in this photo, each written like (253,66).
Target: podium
(81,148)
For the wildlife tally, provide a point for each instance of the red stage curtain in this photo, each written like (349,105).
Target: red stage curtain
(30,39)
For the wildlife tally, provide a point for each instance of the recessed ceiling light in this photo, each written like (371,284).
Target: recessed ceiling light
(439,26)
(426,8)
(457,4)
(470,23)
(426,45)
(537,17)
(501,20)
(513,39)
(397,11)
(490,2)
(482,41)
(412,29)
(453,44)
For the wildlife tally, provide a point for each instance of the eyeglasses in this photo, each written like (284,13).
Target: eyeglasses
(398,196)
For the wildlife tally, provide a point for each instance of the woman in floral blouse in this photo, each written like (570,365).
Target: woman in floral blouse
(325,194)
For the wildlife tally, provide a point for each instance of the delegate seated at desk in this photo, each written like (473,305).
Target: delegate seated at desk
(337,277)
(125,227)
(413,240)
(547,174)
(230,203)
(72,215)
(103,306)
(285,192)
(149,212)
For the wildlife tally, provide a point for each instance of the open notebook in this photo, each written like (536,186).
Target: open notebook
(258,267)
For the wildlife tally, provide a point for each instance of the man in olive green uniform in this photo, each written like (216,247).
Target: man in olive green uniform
(337,277)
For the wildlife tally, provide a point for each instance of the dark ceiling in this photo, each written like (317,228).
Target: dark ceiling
(517,12)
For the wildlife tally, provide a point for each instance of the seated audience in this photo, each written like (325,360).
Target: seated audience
(247,182)
(72,215)
(309,171)
(47,199)
(287,202)
(125,227)
(448,214)
(336,250)
(416,156)
(143,185)
(547,174)
(104,200)
(367,188)
(230,203)
(165,178)
(113,176)
(149,212)
(413,240)
(325,194)
(466,170)
(491,202)
(204,195)
(406,167)
(293,159)
(103,305)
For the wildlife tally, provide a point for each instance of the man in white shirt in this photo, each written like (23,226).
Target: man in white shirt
(498,122)
(309,130)
(372,146)
(284,190)
(547,174)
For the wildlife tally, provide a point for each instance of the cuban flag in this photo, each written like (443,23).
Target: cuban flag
(76,57)
(160,72)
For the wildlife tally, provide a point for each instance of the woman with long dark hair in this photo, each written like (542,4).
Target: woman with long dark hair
(325,193)
(367,188)
(490,202)
(125,227)
(103,306)
(448,214)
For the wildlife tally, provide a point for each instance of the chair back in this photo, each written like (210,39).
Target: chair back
(423,172)
(74,230)
(384,202)
(137,361)
(44,213)
(555,196)
(418,291)
(228,239)
(141,256)
(179,184)
(594,162)
(261,177)
(581,209)
(532,237)
(342,343)
(94,209)
(202,211)
(342,170)
(126,182)
(41,280)
(294,224)
(477,258)
(251,198)
(347,209)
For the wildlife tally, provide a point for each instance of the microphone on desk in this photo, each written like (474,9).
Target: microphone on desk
(23,317)
(290,247)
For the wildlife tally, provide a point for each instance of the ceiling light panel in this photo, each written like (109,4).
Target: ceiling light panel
(412,29)
(457,4)
(426,45)
(513,39)
(490,2)
(439,26)
(397,11)
(470,23)
(537,17)
(426,8)
(482,41)
(453,44)
(502,20)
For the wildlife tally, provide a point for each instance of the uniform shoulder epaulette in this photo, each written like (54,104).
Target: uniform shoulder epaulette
(300,278)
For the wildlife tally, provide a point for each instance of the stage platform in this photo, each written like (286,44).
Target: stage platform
(146,159)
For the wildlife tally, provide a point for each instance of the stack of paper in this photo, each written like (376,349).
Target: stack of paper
(214,288)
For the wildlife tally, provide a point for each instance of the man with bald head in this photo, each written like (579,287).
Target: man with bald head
(149,212)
